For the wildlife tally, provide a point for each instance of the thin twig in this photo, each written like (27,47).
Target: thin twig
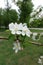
(4,38)
(35,43)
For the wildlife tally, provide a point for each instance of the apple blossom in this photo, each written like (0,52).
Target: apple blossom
(19,29)
(14,28)
(26,31)
(17,46)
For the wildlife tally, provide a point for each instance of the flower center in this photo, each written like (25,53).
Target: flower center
(25,30)
(16,29)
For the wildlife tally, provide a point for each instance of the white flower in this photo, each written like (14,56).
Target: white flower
(40,61)
(26,31)
(16,47)
(14,28)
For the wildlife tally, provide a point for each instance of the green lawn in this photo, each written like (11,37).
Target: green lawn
(29,56)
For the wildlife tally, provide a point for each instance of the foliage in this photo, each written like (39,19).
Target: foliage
(36,19)
(37,23)
(9,17)
(25,8)
(13,16)
(1,16)
(41,22)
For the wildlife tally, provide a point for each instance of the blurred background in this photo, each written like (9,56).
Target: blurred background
(24,11)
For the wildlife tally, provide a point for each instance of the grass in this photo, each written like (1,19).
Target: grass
(29,56)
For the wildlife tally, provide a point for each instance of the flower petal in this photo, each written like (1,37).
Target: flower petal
(24,24)
(20,26)
(16,50)
(18,32)
(13,32)
(16,25)
(40,61)
(28,34)
(23,33)
(11,26)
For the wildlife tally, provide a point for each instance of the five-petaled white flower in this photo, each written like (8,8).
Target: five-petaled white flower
(14,28)
(26,31)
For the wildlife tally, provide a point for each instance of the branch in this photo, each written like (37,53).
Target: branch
(4,38)
(36,43)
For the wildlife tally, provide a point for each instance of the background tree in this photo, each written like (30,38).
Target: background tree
(1,16)
(13,17)
(8,7)
(7,15)
(37,17)
(25,8)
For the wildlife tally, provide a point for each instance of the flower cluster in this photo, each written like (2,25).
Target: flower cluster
(19,29)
